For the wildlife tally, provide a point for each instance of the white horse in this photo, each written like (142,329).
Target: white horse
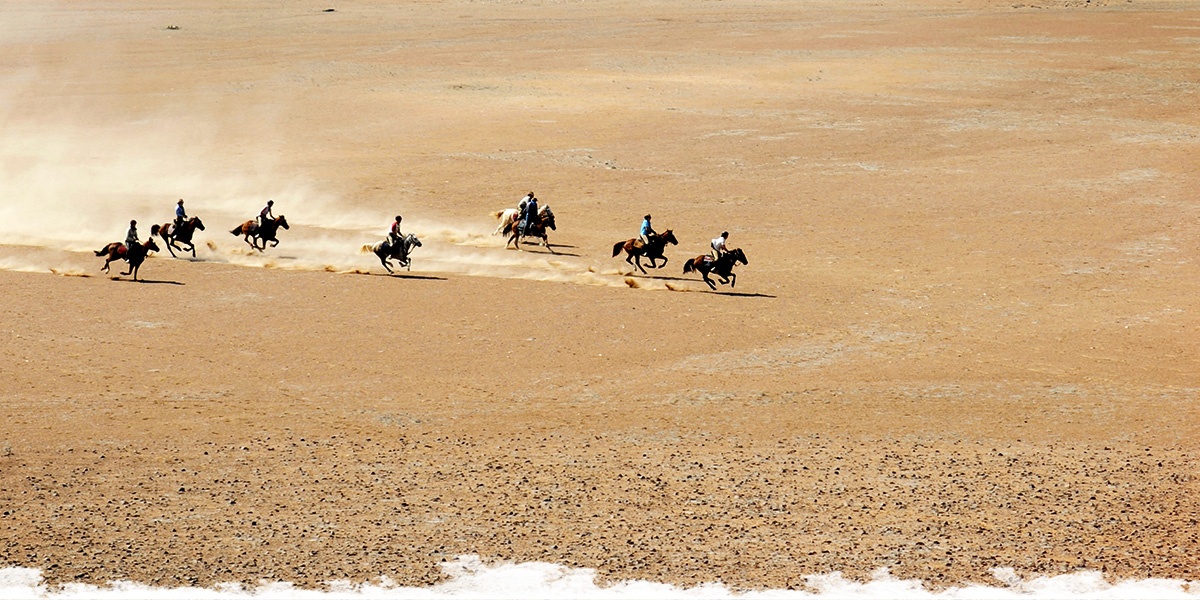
(400,252)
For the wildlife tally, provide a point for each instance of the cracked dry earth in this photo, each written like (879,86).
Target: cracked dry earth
(965,339)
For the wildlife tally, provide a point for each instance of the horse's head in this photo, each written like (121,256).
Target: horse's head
(150,245)
(547,216)
(282,222)
(195,221)
(412,241)
(739,256)
(669,237)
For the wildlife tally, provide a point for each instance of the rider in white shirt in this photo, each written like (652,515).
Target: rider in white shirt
(718,245)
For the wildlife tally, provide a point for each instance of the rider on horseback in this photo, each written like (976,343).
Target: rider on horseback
(718,245)
(131,237)
(394,235)
(530,214)
(180,214)
(647,233)
(524,201)
(265,213)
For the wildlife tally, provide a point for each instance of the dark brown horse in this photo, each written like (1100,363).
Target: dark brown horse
(251,230)
(723,267)
(399,252)
(182,235)
(536,229)
(635,250)
(134,255)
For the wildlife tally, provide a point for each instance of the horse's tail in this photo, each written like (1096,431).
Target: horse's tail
(687,267)
(617,248)
(102,251)
(497,214)
(366,249)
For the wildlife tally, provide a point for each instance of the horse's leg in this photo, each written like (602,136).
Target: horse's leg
(637,262)
(546,243)
(708,281)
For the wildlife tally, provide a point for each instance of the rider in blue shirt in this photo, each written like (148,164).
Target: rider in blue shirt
(531,210)
(180,214)
(647,232)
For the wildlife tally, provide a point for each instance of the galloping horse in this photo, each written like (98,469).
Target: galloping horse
(635,250)
(134,255)
(509,218)
(183,234)
(385,250)
(266,233)
(723,267)
(537,229)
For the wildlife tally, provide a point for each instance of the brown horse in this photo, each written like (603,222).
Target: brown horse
(723,267)
(134,255)
(182,234)
(537,229)
(635,250)
(250,230)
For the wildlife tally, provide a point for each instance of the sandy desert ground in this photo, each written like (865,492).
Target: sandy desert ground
(966,337)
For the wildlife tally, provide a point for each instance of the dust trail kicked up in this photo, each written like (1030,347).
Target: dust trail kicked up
(73,188)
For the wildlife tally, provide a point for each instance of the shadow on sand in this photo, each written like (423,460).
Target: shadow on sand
(541,250)
(404,276)
(118,278)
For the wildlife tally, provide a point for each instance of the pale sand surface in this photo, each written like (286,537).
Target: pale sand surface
(966,338)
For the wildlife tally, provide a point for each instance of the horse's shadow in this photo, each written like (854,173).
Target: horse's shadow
(541,250)
(406,276)
(730,293)
(168,282)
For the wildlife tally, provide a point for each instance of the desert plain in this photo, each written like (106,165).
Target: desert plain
(965,338)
